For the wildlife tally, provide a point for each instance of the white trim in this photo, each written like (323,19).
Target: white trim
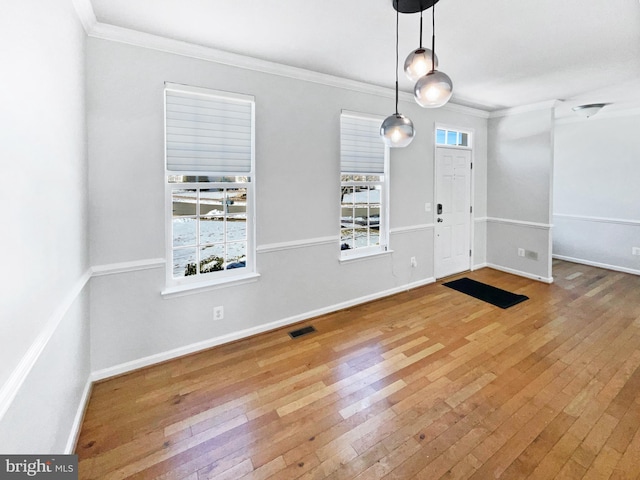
(364,256)
(193,288)
(478,266)
(520,273)
(85,12)
(617,268)
(456,107)
(522,223)
(12,386)
(210,92)
(74,434)
(231,337)
(481,219)
(534,107)
(154,42)
(366,116)
(412,228)
(584,218)
(310,242)
(447,127)
(126,267)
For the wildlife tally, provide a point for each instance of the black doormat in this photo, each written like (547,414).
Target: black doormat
(482,291)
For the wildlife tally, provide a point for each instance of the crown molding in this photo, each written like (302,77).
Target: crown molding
(534,107)
(114,33)
(85,12)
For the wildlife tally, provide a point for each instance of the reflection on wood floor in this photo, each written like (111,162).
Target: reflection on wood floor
(429,384)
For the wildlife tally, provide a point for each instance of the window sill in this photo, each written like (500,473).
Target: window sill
(191,289)
(364,256)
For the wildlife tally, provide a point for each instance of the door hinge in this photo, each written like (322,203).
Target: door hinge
(469,252)
(471,209)
(471,165)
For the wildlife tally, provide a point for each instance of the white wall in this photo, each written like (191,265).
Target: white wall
(519,194)
(297,151)
(596,195)
(44,357)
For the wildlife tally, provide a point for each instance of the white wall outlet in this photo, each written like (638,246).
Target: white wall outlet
(635,250)
(414,263)
(521,252)
(218,313)
(427,207)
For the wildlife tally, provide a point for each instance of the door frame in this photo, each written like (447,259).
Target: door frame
(472,215)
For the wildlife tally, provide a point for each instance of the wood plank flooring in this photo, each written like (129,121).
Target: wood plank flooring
(427,384)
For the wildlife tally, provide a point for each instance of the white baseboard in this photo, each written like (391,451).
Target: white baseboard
(520,273)
(478,266)
(77,421)
(213,342)
(598,264)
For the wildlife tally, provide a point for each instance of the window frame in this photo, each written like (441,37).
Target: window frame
(448,129)
(384,182)
(212,279)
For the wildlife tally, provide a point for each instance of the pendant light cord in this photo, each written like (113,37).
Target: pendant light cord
(433,38)
(397,28)
(420,29)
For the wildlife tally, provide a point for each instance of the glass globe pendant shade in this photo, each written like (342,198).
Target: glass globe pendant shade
(397,131)
(433,90)
(418,64)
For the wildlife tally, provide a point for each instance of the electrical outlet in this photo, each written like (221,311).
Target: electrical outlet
(635,250)
(521,252)
(414,263)
(218,313)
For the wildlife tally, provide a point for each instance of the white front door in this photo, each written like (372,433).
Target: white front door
(453,211)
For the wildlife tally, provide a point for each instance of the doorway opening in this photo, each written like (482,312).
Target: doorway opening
(453,230)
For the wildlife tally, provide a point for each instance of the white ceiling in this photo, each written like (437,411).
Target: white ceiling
(499,53)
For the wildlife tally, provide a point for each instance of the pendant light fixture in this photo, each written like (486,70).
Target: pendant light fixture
(418,62)
(397,130)
(435,88)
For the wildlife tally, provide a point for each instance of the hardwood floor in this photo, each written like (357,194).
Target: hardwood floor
(429,384)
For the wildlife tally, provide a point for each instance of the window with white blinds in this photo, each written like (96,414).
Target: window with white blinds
(362,151)
(364,201)
(208,131)
(209,184)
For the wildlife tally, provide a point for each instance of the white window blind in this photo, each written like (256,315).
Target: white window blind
(208,133)
(361,148)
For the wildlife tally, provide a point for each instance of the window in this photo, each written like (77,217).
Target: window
(452,138)
(364,161)
(209,144)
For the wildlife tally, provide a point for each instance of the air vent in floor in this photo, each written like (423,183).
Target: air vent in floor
(302,331)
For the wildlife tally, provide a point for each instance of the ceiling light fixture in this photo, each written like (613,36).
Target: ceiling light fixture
(419,62)
(397,130)
(590,109)
(435,88)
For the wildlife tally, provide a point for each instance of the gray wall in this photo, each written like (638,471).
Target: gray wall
(297,164)
(596,195)
(519,189)
(44,339)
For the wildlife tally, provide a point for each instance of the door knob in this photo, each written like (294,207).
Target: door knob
(440,220)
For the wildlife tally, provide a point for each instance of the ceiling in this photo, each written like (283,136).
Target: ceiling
(499,53)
